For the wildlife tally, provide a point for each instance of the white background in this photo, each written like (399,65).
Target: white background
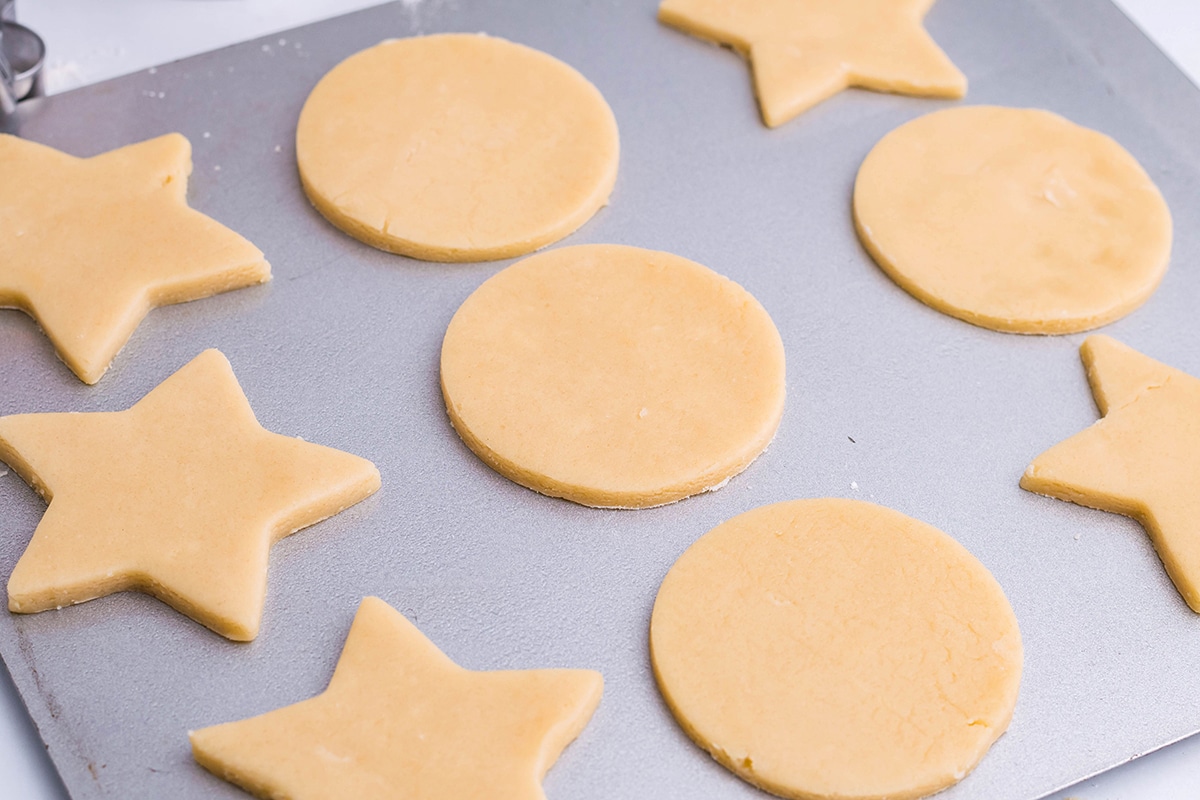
(91,40)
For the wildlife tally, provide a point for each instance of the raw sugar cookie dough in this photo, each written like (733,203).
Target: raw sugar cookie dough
(401,720)
(613,376)
(180,496)
(89,245)
(804,51)
(1142,459)
(1013,219)
(456,147)
(836,649)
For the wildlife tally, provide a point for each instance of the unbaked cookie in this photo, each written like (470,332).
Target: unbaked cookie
(456,147)
(400,719)
(89,245)
(613,376)
(1013,219)
(836,649)
(804,51)
(1142,460)
(180,496)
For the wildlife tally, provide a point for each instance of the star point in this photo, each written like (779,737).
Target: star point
(89,245)
(1142,459)
(400,719)
(180,496)
(804,51)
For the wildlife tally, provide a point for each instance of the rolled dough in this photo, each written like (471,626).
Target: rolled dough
(836,649)
(456,147)
(1142,459)
(1013,219)
(401,720)
(89,245)
(613,376)
(180,496)
(805,51)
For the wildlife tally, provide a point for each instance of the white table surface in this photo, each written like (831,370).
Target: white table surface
(91,40)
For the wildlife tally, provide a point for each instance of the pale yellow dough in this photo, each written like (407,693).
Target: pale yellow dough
(1141,460)
(1013,219)
(805,51)
(401,720)
(89,245)
(181,496)
(836,649)
(456,147)
(613,376)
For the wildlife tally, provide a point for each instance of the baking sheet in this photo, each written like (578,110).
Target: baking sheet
(887,401)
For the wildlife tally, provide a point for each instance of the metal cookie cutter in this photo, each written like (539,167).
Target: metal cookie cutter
(22,54)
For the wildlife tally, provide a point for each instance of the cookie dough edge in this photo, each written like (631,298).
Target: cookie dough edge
(1046,327)
(452,255)
(1053,327)
(615,500)
(744,768)
(209,756)
(397,245)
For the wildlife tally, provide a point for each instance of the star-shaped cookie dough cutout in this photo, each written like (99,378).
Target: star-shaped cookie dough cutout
(89,245)
(1141,460)
(400,719)
(181,497)
(805,51)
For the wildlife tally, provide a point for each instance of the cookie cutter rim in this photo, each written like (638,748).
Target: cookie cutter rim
(25,59)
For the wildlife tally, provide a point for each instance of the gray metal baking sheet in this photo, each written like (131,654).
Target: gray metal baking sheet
(887,400)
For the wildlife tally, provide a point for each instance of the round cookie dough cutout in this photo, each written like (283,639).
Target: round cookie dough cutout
(456,147)
(613,376)
(1013,219)
(836,649)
